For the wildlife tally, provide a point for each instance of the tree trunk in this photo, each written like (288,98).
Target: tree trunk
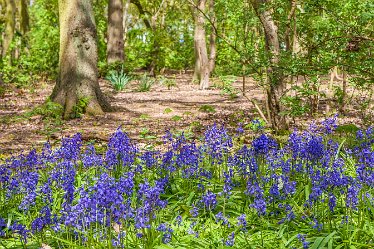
(125,21)
(344,92)
(10,11)
(287,35)
(24,17)
(78,74)
(276,84)
(115,32)
(212,39)
(200,46)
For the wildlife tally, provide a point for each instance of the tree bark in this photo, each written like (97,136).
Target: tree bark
(142,13)
(201,52)
(78,74)
(276,84)
(287,34)
(212,39)
(344,92)
(125,21)
(115,32)
(24,17)
(10,11)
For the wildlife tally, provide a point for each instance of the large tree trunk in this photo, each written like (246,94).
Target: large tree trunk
(115,32)
(276,84)
(200,46)
(10,22)
(78,75)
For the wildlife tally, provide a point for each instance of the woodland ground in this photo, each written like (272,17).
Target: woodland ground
(143,115)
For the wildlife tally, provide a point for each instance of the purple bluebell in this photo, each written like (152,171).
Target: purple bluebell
(230,240)
(263,144)
(209,200)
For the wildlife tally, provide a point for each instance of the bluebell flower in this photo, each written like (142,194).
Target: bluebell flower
(302,239)
(220,218)
(352,196)
(242,222)
(230,240)
(274,190)
(166,238)
(121,150)
(90,158)
(70,148)
(332,202)
(329,124)
(240,129)
(263,144)
(178,220)
(21,230)
(217,141)
(2,227)
(209,200)
(194,211)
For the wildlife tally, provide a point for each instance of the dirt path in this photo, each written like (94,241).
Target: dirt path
(143,115)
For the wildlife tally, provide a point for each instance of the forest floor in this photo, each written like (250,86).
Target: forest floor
(145,116)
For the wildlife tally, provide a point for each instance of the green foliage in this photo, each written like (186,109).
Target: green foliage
(225,83)
(256,125)
(295,106)
(338,94)
(49,110)
(144,116)
(207,108)
(2,91)
(168,110)
(13,74)
(176,118)
(169,83)
(272,204)
(302,99)
(145,83)
(51,114)
(146,134)
(80,108)
(119,79)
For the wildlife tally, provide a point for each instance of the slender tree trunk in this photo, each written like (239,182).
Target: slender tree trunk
(155,47)
(344,92)
(212,39)
(125,21)
(291,16)
(276,84)
(78,75)
(200,45)
(115,32)
(10,22)
(196,72)
(24,17)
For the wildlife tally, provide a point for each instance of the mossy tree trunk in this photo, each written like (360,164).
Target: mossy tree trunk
(24,16)
(275,81)
(115,32)
(78,74)
(10,24)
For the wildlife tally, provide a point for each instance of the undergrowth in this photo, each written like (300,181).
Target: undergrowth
(214,192)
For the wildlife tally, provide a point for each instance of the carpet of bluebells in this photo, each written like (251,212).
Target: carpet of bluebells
(215,192)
